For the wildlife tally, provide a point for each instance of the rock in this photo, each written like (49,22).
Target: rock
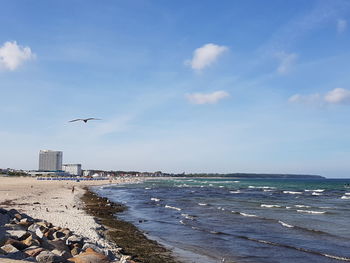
(90,256)
(33,227)
(31,241)
(18,234)
(75,251)
(18,216)
(8,248)
(49,257)
(58,235)
(64,254)
(12,252)
(39,233)
(7,260)
(93,247)
(33,252)
(25,222)
(16,243)
(74,239)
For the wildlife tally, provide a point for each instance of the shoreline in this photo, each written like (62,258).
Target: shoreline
(125,235)
(57,203)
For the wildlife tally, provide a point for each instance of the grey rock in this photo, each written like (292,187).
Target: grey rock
(12,252)
(39,233)
(94,247)
(58,235)
(17,233)
(49,257)
(64,254)
(74,239)
(9,249)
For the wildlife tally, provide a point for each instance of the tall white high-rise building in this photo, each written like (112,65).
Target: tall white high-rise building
(50,160)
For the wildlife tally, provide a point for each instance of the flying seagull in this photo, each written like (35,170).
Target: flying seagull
(84,120)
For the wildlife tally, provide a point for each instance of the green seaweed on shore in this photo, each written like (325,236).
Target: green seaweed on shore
(124,234)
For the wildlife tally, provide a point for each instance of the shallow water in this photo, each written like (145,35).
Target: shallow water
(242,220)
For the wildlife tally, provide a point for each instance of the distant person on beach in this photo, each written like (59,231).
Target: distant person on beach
(73,189)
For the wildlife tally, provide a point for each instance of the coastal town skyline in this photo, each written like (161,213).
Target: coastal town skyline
(263,89)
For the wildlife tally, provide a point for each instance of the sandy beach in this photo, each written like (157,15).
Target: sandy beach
(55,202)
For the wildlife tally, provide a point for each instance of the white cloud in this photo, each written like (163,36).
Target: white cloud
(338,96)
(335,96)
(205,56)
(13,55)
(341,25)
(207,98)
(306,99)
(287,60)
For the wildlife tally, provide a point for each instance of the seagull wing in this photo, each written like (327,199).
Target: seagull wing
(89,119)
(76,120)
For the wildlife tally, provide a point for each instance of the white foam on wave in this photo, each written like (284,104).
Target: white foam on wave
(304,206)
(285,224)
(235,192)
(292,192)
(311,212)
(269,206)
(147,188)
(187,216)
(345,197)
(221,186)
(172,207)
(268,190)
(155,199)
(182,222)
(202,204)
(347,193)
(236,181)
(248,215)
(316,193)
(315,190)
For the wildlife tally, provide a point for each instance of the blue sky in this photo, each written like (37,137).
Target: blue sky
(181,86)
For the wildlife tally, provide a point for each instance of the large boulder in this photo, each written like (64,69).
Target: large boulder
(49,257)
(90,256)
(12,252)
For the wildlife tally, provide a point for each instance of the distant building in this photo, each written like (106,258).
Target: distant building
(50,160)
(87,173)
(73,169)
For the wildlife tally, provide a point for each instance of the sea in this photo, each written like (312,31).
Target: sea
(205,220)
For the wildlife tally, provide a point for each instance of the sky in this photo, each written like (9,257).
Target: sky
(180,86)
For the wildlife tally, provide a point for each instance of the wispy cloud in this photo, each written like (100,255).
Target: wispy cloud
(341,25)
(205,56)
(338,96)
(335,96)
(207,98)
(12,55)
(287,61)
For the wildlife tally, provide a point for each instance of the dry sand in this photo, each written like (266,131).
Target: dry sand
(54,202)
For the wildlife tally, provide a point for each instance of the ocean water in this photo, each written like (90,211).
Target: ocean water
(242,220)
